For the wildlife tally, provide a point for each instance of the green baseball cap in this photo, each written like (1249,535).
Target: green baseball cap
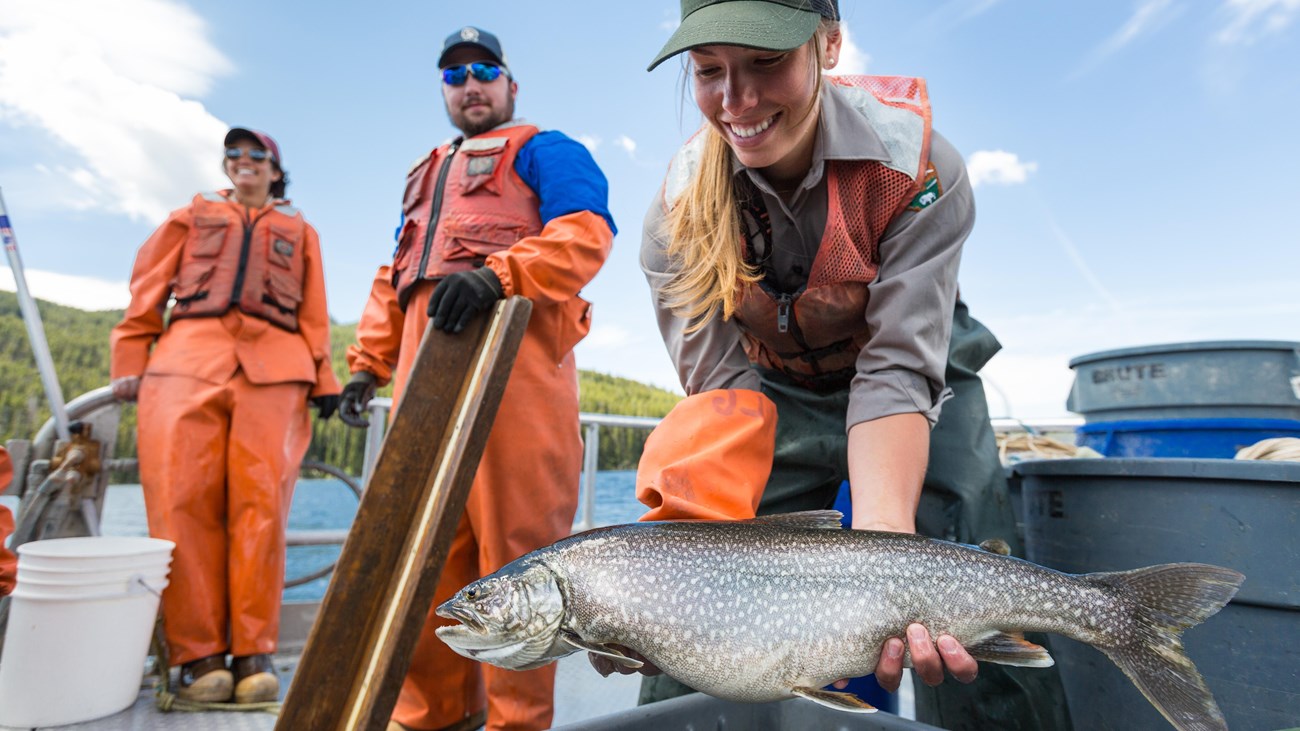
(770,25)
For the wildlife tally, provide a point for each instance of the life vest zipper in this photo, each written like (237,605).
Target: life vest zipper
(435,208)
(238,291)
(783,302)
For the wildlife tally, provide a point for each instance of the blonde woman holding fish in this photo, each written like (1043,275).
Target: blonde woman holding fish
(803,256)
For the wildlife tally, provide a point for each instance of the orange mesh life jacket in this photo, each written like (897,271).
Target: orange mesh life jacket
(463,202)
(814,335)
(258,267)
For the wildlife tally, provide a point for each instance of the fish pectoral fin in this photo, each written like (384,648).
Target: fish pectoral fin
(807,519)
(603,650)
(834,699)
(996,545)
(1011,648)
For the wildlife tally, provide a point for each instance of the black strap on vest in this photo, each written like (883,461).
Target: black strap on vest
(750,201)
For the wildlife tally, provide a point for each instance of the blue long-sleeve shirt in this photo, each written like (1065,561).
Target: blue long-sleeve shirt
(563,175)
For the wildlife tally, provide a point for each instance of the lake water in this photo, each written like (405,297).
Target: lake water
(329,504)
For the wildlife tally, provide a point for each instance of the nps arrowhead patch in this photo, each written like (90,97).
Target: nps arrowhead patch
(930,190)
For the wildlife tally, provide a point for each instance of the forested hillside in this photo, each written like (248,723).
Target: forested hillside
(79,347)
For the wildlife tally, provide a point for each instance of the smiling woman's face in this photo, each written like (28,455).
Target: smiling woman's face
(761,103)
(252,178)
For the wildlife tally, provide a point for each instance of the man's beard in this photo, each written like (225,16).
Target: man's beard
(474,128)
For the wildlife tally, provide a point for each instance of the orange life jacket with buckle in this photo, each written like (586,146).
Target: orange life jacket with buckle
(463,202)
(814,335)
(255,265)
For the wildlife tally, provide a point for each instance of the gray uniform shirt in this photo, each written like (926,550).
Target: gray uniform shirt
(901,367)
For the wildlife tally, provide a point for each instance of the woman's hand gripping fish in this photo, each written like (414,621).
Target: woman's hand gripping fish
(780,606)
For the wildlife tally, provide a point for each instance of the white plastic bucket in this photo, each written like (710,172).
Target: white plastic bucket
(75,651)
(100,553)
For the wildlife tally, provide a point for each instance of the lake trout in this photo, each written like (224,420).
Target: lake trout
(780,606)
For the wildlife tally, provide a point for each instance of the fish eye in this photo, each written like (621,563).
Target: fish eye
(471,594)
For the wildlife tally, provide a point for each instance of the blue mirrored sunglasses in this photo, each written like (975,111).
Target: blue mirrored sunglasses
(458,75)
(254,154)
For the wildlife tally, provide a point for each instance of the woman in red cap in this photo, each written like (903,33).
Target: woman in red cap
(223,383)
(803,256)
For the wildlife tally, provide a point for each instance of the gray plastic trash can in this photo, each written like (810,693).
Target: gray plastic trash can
(1246,379)
(1085,515)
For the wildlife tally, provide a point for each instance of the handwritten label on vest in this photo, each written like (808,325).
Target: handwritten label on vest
(480,165)
(1139,372)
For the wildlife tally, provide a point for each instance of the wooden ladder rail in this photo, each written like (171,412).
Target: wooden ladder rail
(360,645)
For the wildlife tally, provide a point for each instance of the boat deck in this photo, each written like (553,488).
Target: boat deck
(580,695)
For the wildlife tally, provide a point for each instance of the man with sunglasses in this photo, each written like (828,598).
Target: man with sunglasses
(503,209)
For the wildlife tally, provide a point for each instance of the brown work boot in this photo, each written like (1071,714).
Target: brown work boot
(255,679)
(205,680)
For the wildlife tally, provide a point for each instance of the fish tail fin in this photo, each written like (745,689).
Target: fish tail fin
(1171,598)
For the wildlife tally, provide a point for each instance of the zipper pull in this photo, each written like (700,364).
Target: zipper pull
(783,313)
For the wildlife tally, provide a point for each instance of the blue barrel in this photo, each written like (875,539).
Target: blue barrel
(1195,438)
(1087,515)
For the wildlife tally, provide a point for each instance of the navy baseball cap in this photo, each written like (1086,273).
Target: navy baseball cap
(471,36)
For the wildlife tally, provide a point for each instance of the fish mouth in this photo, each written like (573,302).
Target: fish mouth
(462,615)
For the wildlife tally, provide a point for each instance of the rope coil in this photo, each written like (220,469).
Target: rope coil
(1280,449)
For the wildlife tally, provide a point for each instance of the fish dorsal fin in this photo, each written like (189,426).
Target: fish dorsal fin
(833,699)
(810,519)
(1010,648)
(603,650)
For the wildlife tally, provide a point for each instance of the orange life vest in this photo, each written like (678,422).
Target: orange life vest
(257,265)
(463,202)
(814,335)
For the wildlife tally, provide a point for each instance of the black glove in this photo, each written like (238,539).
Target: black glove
(461,296)
(325,405)
(356,396)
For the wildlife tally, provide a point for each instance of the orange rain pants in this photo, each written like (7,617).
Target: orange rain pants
(525,492)
(218,463)
(710,457)
(8,561)
(524,497)
(223,426)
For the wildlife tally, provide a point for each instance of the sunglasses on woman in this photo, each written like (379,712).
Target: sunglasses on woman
(255,154)
(484,72)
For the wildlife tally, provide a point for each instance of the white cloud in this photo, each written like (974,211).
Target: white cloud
(998,167)
(114,83)
(852,60)
(1249,20)
(591,142)
(1148,17)
(86,293)
(627,143)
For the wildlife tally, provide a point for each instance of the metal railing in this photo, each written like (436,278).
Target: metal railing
(591,424)
(85,405)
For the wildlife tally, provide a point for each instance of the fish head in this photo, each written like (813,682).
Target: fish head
(510,619)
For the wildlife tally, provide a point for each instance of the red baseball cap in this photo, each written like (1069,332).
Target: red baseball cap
(243,133)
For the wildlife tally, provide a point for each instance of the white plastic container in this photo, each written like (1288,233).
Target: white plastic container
(75,651)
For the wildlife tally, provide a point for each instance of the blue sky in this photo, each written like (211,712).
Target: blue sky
(1135,161)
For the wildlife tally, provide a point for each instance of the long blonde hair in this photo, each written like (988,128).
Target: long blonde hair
(705,235)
